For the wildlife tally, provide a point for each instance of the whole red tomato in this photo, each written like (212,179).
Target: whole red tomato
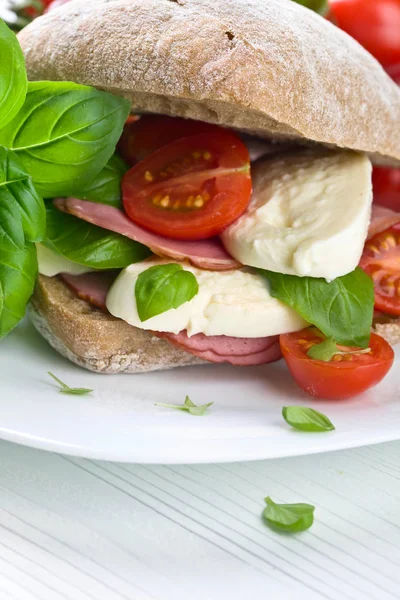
(51,4)
(375,24)
(394,72)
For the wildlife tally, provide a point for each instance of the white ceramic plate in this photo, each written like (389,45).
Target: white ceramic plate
(119,421)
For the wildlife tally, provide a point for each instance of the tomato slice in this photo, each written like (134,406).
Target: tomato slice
(191,189)
(151,132)
(386,184)
(381,261)
(344,376)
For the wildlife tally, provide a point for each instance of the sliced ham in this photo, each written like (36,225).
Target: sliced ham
(205,254)
(382,218)
(92,287)
(221,348)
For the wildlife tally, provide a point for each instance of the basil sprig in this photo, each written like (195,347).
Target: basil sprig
(306,419)
(65,134)
(163,287)
(55,139)
(65,389)
(22,221)
(13,80)
(106,187)
(290,518)
(18,272)
(188,406)
(22,210)
(342,309)
(327,349)
(88,244)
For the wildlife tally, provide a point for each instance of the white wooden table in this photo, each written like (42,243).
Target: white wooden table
(75,529)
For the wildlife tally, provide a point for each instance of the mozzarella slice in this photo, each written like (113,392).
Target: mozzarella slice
(308,215)
(51,263)
(234,303)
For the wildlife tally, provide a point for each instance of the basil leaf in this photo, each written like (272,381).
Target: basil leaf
(188,406)
(64,134)
(325,351)
(306,419)
(88,244)
(18,272)
(163,287)
(22,210)
(65,389)
(342,309)
(291,518)
(13,80)
(319,6)
(106,187)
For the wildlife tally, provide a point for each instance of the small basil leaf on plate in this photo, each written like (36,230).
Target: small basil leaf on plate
(106,187)
(65,389)
(188,406)
(290,518)
(325,351)
(163,287)
(88,244)
(342,309)
(65,134)
(18,272)
(318,6)
(22,210)
(13,80)
(306,419)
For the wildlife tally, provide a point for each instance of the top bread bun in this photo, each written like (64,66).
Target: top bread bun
(269,67)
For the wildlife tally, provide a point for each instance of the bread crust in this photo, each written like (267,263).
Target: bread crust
(274,69)
(388,327)
(95,340)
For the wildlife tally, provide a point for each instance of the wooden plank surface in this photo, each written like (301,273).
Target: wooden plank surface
(76,529)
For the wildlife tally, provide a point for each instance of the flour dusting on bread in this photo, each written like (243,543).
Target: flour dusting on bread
(272,68)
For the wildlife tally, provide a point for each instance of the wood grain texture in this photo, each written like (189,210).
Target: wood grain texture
(75,529)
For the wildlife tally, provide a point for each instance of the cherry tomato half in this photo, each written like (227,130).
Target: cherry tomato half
(344,376)
(190,189)
(381,261)
(386,184)
(151,132)
(375,24)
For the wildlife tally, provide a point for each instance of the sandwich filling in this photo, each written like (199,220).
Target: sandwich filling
(190,237)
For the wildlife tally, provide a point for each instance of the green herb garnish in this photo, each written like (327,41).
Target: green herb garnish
(342,309)
(306,419)
(319,6)
(18,272)
(163,287)
(327,349)
(56,138)
(13,79)
(290,518)
(188,406)
(106,186)
(65,389)
(65,134)
(89,245)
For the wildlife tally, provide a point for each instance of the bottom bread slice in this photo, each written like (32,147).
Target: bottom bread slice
(99,342)
(95,340)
